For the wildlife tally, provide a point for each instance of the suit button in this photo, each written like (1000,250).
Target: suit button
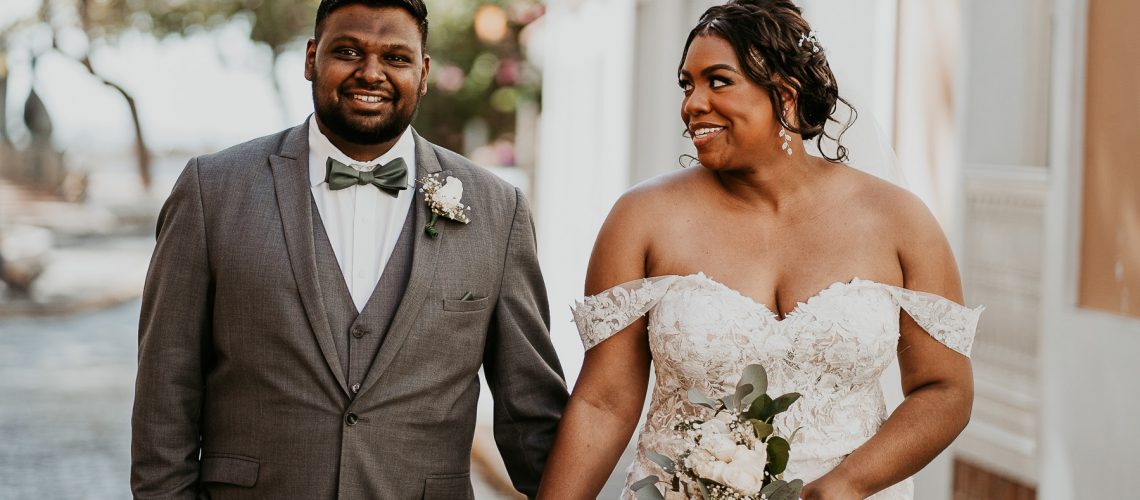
(351,419)
(359,331)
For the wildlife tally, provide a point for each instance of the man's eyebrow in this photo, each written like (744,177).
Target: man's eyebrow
(360,41)
(344,38)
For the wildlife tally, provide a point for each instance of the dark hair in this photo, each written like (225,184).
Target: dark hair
(766,37)
(414,7)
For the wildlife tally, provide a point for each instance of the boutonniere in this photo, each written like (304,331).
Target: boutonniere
(444,199)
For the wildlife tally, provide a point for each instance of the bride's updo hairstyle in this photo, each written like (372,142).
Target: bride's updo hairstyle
(770,38)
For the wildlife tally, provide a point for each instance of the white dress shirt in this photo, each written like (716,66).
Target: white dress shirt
(363,223)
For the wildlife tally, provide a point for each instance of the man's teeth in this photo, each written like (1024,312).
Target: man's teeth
(706,131)
(367,98)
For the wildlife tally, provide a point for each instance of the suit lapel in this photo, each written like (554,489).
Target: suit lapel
(294,200)
(425,253)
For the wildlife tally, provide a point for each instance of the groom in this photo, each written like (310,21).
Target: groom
(304,336)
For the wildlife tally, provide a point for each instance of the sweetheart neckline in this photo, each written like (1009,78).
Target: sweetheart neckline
(773,315)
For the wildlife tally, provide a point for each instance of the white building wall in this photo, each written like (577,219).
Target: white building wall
(584,147)
(1090,376)
(1003,115)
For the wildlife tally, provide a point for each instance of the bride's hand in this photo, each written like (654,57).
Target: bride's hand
(830,487)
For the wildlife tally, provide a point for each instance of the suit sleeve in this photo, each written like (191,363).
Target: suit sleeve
(174,332)
(520,363)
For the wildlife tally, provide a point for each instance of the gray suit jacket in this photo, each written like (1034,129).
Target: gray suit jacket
(240,392)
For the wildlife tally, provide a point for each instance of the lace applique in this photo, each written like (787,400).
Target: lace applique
(600,316)
(832,349)
(949,322)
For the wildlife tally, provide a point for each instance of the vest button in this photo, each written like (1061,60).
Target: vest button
(351,419)
(358,331)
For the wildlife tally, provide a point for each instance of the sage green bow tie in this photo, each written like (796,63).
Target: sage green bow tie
(392,177)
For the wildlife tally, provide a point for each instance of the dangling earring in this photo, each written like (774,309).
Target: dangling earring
(787,145)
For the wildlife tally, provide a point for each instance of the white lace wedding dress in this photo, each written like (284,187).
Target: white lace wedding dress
(830,349)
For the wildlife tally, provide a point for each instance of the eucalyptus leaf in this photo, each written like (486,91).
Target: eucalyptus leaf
(761,408)
(772,486)
(755,376)
(782,403)
(665,462)
(704,490)
(698,398)
(783,490)
(778,452)
(763,429)
(729,403)
(738,398)
(646,489)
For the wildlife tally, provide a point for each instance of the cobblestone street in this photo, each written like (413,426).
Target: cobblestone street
(66,385)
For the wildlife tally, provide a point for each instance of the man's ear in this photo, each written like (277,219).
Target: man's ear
(424,75)
(310,58)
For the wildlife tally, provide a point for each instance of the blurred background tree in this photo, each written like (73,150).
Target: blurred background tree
(480,75)
(275,24)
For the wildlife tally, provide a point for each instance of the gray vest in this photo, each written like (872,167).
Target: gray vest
(358,336)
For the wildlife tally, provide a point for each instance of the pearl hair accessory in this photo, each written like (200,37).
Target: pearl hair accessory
(810,37)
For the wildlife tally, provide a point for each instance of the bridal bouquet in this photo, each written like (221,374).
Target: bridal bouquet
(734,453)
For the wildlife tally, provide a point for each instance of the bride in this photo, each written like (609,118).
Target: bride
(765,254)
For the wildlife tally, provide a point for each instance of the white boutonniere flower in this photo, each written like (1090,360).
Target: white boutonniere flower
(445,200)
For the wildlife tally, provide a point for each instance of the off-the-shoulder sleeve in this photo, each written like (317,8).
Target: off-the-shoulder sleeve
(600,316)
(947,321)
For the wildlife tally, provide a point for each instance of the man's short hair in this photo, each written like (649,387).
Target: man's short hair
(414,7)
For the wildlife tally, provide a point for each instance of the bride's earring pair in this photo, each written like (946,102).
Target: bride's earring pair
(787,145)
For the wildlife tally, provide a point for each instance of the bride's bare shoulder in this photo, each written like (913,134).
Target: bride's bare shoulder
(665,192)
(900,213)
(893,204)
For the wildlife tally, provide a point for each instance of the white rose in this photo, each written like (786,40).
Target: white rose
(721,446)
(714,426)
(450,193)
(743,476)
(753,459)
(713,469)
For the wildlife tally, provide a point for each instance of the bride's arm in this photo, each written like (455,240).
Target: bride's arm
(610,392)
(937,382)
(600,418)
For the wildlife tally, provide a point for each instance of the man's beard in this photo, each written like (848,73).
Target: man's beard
(385,130)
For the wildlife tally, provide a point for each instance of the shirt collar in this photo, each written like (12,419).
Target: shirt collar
(321,149)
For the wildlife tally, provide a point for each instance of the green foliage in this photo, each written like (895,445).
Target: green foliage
(275,23)
(645,490)
(756,380)
(494,76)
(761,408)
(762,429)
(783,490)
(752,412)
(665,462)
(698,398)
(782,403)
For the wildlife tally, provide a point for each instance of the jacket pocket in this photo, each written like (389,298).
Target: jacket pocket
(230,469)
(449,487)
(456,305)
